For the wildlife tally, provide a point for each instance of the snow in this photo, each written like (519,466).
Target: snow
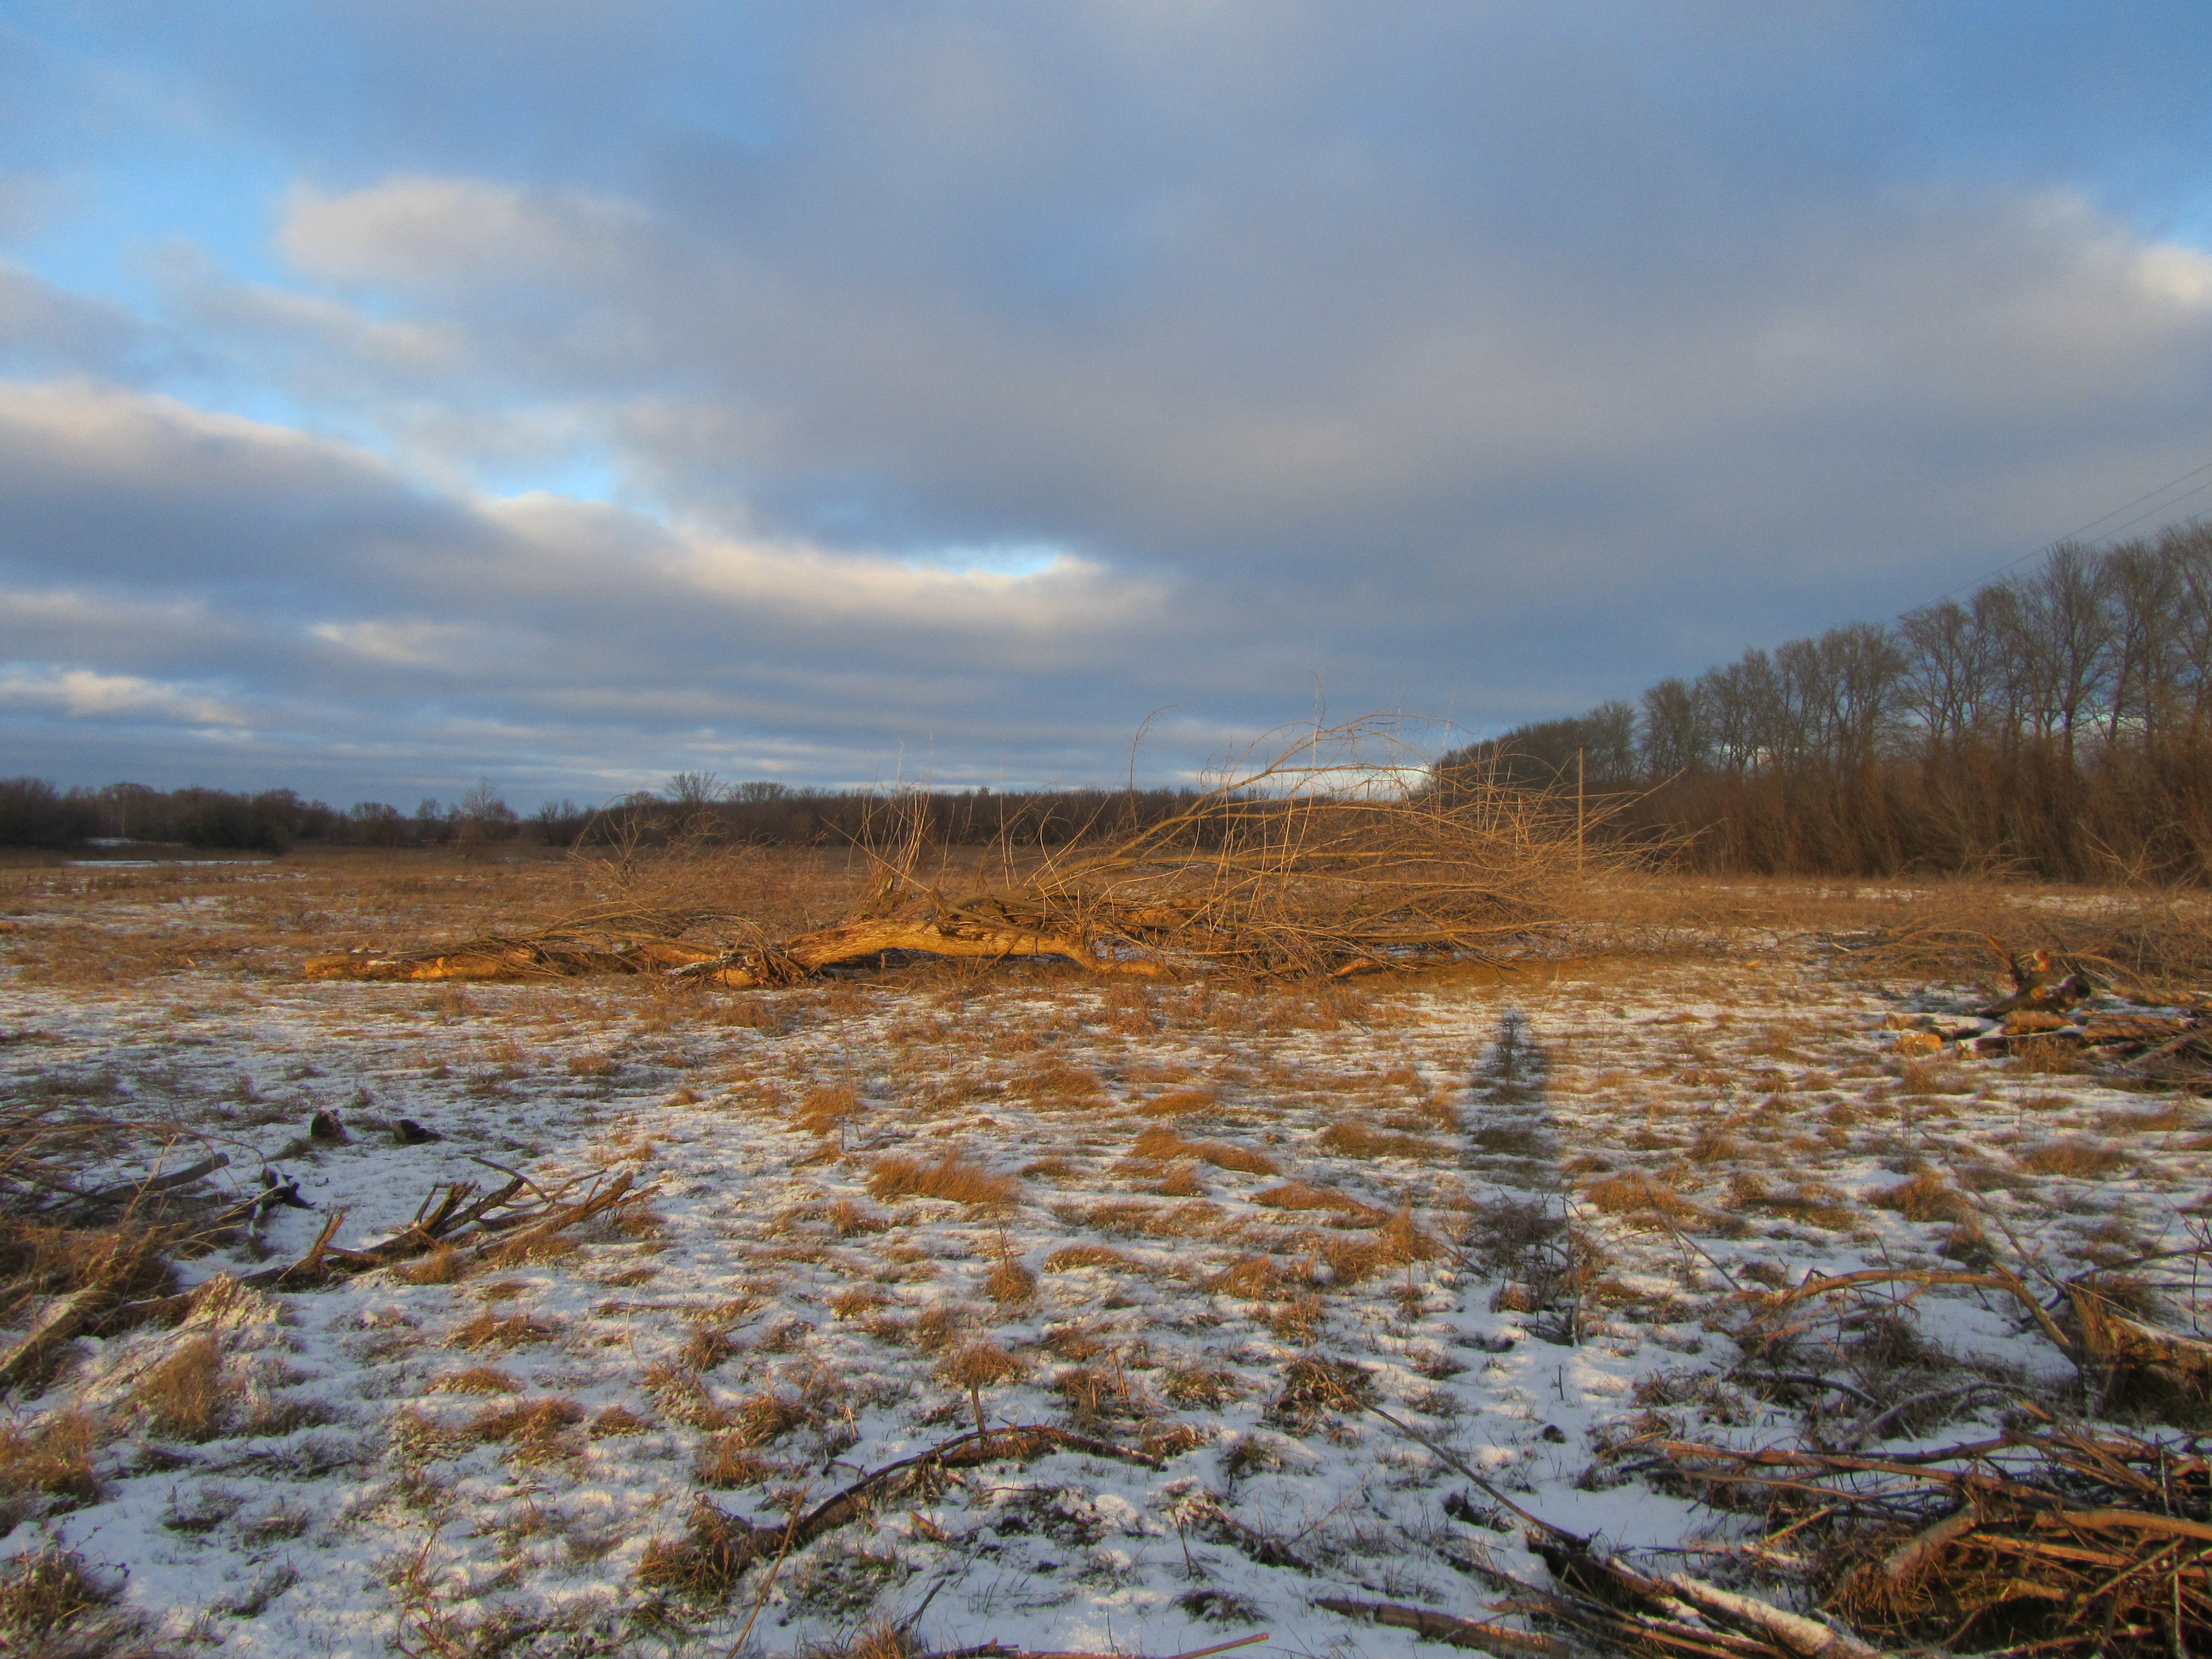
(348,1500)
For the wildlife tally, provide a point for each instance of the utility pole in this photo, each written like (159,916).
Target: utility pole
(1578,811)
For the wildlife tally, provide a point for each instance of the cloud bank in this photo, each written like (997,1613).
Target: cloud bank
(570,399)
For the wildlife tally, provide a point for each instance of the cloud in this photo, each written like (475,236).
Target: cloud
(85,695)
(589,399)
(44,329)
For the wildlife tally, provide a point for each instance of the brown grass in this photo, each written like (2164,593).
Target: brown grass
(477,1379)
(766,1416)
(858,1302)
(618,1420)
(826,1111)
(1011,1284)
(2078,1159)
(1250,1278)
(442,1266)
(1351,1139)
(1069,1258)
(702,1566)
(535,1429)
(184,1396)
(1186,1220)
(515,1330)
(980,1366)
(1201,1387)
(1163,1144)
(680,1393)
(53,1606)
(48,1459)
(1300,1196)
(952,1178)
(728,1460)
(1181,1103)
(1636,1194)
(1924,1197)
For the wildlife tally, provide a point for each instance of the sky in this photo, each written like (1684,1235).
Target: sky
(396,395)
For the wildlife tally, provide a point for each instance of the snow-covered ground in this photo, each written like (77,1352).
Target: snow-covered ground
(1210,1191)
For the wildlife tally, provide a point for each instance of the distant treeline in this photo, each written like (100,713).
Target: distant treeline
(695,808)
(2058,724)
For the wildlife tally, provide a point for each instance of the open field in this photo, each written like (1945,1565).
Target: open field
(1520,1212)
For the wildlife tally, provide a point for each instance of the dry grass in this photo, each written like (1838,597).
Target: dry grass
(1164,1145)
(727,1459)
(826,1111)
(1011,1284)
(1924,1197)
(515,1330)
(980,1366)
(1071,1258)
(2080,1159)
(858,1302)
(442,1265)
(534,1431)
(952,1178)
(1301,1195)
(54,1605)
(183,1396)
(52,1459)
(1195,1386)
(1181,1103)
(1351,1139)
(1639,1195)
(477,1379)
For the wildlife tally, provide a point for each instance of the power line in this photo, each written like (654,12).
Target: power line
(2106,535)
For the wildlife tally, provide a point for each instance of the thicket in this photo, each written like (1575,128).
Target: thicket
(2057,724)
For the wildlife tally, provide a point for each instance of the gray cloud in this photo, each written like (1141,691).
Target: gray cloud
(1491,357)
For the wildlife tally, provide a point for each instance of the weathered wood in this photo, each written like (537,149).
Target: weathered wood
(854,941)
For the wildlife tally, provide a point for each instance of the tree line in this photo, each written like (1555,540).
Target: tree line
(2056,723)
(695,809)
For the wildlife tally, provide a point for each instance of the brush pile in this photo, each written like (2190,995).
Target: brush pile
(1317,863)
(2065,1538)
(2060,1533)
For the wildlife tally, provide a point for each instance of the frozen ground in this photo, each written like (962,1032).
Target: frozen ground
(1521,1206)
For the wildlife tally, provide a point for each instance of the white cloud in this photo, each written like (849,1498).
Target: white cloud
(83,695)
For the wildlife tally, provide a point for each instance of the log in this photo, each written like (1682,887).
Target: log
(1808,1638)
(854,941)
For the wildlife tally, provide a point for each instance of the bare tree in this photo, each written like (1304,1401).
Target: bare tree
(1674,740)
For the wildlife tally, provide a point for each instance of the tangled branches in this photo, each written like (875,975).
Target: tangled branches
(1338,855)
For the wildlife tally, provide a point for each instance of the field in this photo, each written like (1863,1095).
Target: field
(1290,1269)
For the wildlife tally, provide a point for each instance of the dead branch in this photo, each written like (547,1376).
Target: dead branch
(1322,861)
(728,1545)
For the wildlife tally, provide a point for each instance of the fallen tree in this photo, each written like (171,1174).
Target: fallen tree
(1324,861)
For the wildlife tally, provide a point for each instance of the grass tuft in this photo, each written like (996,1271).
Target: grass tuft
(952,1177)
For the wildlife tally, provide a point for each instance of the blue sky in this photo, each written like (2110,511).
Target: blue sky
(394,394)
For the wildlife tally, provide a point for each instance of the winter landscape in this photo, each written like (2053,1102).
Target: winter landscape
(1313,1300)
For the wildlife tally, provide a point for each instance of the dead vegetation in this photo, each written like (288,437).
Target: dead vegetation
(1333,856)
